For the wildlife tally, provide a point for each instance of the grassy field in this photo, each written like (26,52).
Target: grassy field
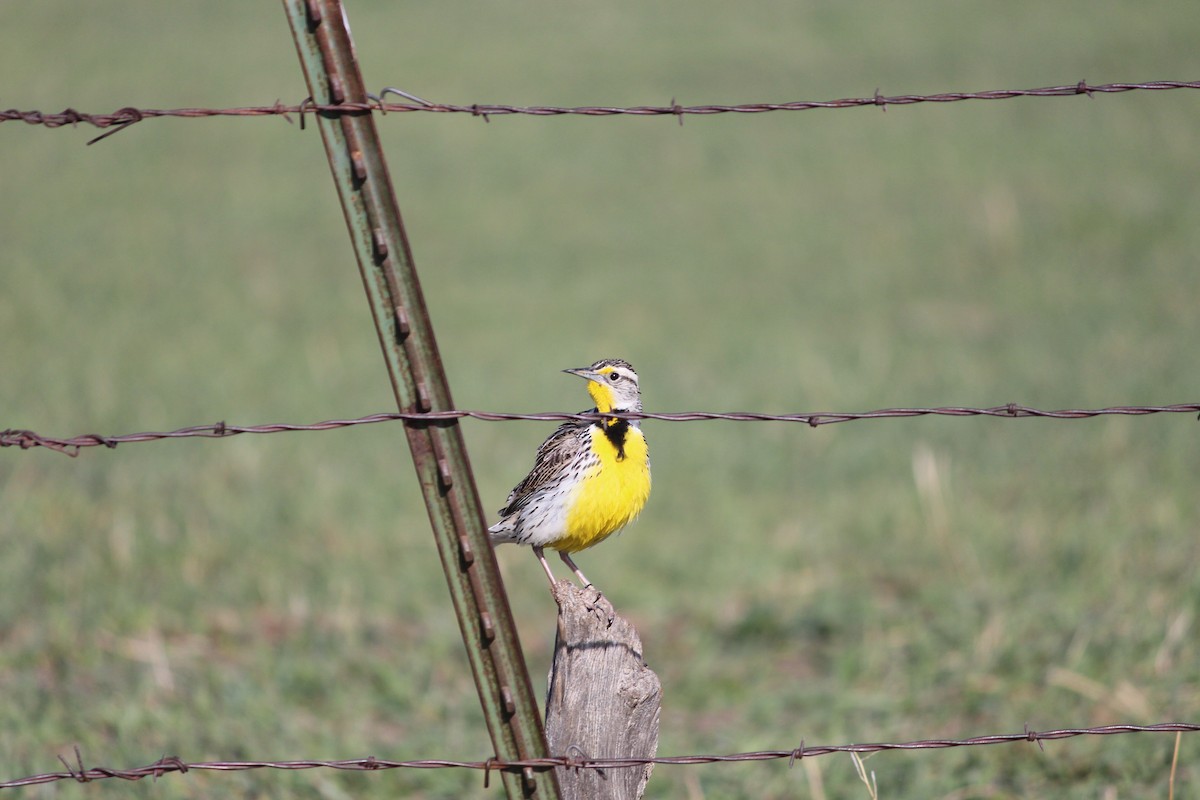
(278,596)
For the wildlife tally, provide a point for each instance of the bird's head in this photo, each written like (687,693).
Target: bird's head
(613,385)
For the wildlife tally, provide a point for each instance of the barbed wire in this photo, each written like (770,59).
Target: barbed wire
(124,117)
(27,439)
(169,764)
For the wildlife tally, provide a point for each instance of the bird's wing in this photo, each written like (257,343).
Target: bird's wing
(551,461)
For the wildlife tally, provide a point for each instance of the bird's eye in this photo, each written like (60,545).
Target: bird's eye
(613,377)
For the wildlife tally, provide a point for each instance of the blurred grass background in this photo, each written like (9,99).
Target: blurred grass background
(277,597)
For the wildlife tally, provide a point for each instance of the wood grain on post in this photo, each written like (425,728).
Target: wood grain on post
(603,701)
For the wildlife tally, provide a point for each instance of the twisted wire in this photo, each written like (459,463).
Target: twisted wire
(27,439)
(173,764)
(124,117)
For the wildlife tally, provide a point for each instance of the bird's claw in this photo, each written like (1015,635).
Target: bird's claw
(601,606)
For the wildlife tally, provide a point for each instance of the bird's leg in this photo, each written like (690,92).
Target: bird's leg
(601,603)
(537,551)
(582,578)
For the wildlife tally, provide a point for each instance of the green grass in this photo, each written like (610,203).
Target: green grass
(277,596)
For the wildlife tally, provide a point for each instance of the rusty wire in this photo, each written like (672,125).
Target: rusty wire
(168,764)
(124,117)
(27,439)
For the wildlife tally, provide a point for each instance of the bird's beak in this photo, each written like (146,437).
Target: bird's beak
(586,373)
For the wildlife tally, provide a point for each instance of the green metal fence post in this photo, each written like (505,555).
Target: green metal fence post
(406,335)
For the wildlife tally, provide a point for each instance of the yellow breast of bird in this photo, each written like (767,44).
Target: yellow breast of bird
(611,492)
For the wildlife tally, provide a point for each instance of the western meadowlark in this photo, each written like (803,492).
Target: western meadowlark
(589,479)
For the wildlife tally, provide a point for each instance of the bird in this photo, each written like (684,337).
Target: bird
(589,479)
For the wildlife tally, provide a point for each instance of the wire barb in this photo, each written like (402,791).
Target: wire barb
(77,773)
(1032,736)
(168,764)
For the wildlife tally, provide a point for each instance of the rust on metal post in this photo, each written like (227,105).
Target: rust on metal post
(406,336)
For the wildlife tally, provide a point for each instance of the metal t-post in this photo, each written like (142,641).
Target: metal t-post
(406,336)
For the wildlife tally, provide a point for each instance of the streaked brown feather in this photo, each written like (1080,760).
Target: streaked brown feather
(553,457)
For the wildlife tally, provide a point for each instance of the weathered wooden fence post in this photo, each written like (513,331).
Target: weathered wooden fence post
(603,701)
